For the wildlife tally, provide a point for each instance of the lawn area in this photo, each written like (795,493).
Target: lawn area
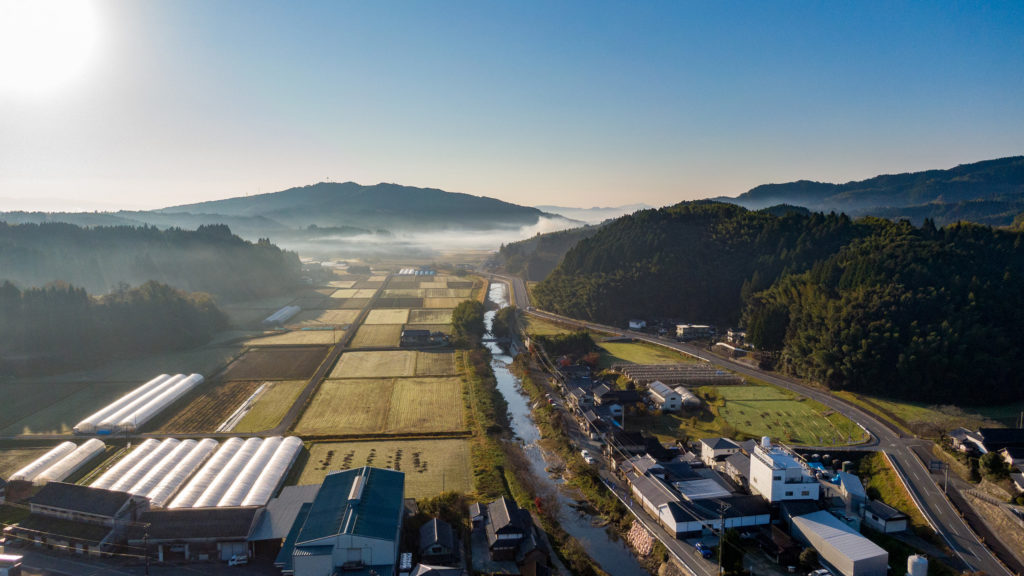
(388,316)
(638,353)
(348,407)
(880,481)
(426,405)
(385,364)
(377,336)
(430,466)
(437,316)
(540,327)
(930,420)
(271,406)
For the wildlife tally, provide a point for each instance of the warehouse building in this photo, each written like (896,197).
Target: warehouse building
(840,547)
(196,533)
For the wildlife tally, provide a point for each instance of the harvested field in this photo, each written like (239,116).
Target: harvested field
(426,405)
(14,459)
(277,364)
(389,316)
(448,292)
(311,302)
(434,284)
(442,316)
(405,282)
(324,317)
(430,466)
(377,336)
(317,337)
(342,283)
(397,363)
(204,408)
(271,406)
(374,284)
(345,293)
(435,364)
(403,293)
(461,284)
(365,293)
(377,278)
(441,302)
(348,407)
(445,328)
(399,303)
(355,303)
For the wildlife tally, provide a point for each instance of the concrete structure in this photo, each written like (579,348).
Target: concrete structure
(717,449)
(736,337)
(884,518)
(852,490)
(840,547)
(353,525)
(778,475)
(686,332)
(737,466)
(663,397)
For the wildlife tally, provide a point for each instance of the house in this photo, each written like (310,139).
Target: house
(477,515)
(353,525)
(778,475)
(736,337)
(411,338)
(633,443)
(642,465)
(717,449)
(737,466)
(686,332)
(964,440)
(579,400)
(637,324)
(1013,456)
(607,396)
(438,543)
(840,548)
(506,527)
(196,533)
(663,397)
(884,518)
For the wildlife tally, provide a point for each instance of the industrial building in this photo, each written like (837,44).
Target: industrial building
(840,547)
(777,474)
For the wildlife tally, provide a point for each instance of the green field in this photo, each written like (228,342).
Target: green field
(756,411)
(638,353)
(430,466)
(930,420)
(271,406)
(386,364)
(377,336)
(539,327)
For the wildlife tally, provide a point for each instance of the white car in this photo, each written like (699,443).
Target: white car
(587,457)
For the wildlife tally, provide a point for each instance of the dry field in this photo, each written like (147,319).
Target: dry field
(354,303)
(442,316)
(425,405)
(388,316)
(389,364)
(348,407)
(435,364)
(448,293)
(461,284)
(433,284)
(345,293)
(430,466)
(316,337)
(398,303)
(276,364)
(342,283)
(324,317)
(204,408)
(403,293)
(377,336)
(14,459)
(442,302)
(271,406)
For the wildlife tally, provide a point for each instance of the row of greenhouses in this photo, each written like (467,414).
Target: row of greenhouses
(59,463)
(129,412)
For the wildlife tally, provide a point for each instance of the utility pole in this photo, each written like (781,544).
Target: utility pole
(145,547)
(722,507)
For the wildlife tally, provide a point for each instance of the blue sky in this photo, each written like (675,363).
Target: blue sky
(571,103)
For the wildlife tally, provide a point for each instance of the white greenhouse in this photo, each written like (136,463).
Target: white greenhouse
(181,472)
(89,425)
(29,473)
(136,472)
(244,480)
(71,463)
(109,424)
(274,472)
(206,475)
(220,484)
(158,471)
(131,422)
(107,479)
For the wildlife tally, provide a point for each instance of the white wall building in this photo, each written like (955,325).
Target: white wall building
(777,475)
(839,547)
(665,399)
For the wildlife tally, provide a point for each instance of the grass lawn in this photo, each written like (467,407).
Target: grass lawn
(430,466)
(377,336)
(271,406)
(348,407)
(540,327)
(387,364)
(930,420)
(638,353)
(388,316)
(881,481)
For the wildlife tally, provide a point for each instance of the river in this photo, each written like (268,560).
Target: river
(608,550)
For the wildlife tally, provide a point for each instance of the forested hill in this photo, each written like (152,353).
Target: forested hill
(389,206)
(210,259)
(988,192)
(534,258)
(867,305)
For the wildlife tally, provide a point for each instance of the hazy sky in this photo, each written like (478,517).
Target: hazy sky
(152,103)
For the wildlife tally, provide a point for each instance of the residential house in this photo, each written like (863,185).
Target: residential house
(884,518)
(506,527)
(664,398)
(714,450)
(736,337)
(438,544)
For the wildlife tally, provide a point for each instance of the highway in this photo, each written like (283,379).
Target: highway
(926,493)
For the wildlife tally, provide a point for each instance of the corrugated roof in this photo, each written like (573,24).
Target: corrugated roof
(83,499)
(284,557)
(851,484)
(844,539)
(661,389)
(196,523)
(281,512)
(375,513)
(321,550)
(720,443)
(884,511)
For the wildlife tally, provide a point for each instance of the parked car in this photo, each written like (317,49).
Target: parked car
(238,560)
(705,550)
(587,457)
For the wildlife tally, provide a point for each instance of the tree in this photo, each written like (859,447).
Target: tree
(468,321)
(809,558)
(993,466)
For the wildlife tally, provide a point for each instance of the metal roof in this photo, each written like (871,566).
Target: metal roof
(281,512)
(284,556)
(82,499)
(362,501)
(851,484)
(844,539)
(720,443)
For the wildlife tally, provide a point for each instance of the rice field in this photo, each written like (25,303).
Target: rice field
(299,338)
(271,406)
(14,459)
(425,405)
(387,316)
(387,364)
(435,363)
(448,293)
(341,283)
(403,293)
(443,316)
(377,336)
(441,302)
(354,303)
(276,364)
(324,317)
(430,466)
(348,407)
(399,303)
(433,284)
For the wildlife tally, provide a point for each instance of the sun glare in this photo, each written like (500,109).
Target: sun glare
(44,44)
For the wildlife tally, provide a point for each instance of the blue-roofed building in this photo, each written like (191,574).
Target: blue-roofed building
(353,525)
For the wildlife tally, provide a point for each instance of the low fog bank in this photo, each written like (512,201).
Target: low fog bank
(418,243)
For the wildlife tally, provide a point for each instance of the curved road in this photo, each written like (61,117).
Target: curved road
(925,491)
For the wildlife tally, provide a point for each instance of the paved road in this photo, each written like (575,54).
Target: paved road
(933,503)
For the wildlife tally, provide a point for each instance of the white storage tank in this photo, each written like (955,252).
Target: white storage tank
(917,565)
(206,475)
(181,472)
(71,463)
(88,425)
(107,479)
(29,473)
(274,472)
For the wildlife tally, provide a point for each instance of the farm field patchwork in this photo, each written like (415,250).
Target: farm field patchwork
(277,363)
(433,284)
(387,364)
(311,302)
(398,303)
(445,328)
(324,317)
(354,303)
(345,293)
(425,405)
(348,407)
(377,336)
(204,408)
(341,283)
(441,302)
(402,293)
(430,466)
(271,406)
(387,316)
(768,411)
(442,316)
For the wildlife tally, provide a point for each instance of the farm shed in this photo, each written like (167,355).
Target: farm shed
(839,546)
(197,533)
(689,399)
(663,397)
(884,518)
